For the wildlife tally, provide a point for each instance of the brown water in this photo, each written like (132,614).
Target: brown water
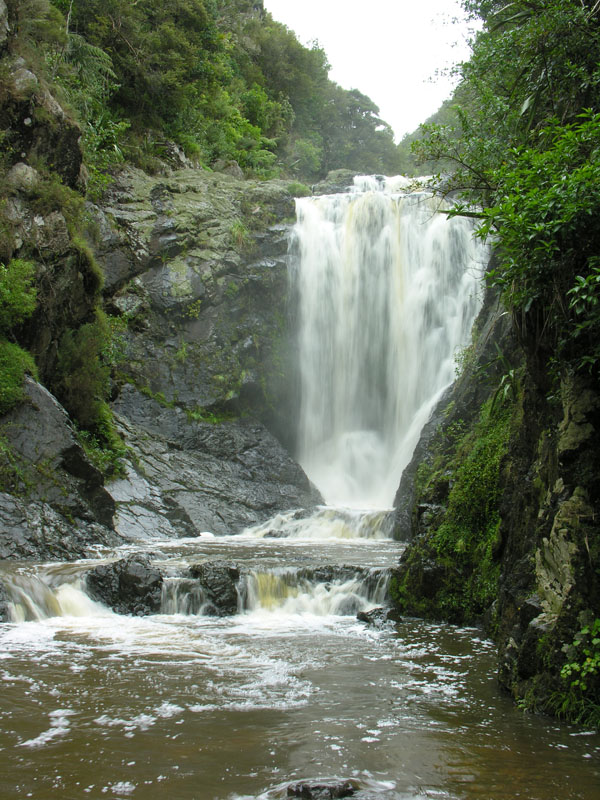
(96,705)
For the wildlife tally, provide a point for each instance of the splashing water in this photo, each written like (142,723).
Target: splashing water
(388,289)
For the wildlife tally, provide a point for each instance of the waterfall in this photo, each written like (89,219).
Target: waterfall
(387,289)
(32,597)
(308,592)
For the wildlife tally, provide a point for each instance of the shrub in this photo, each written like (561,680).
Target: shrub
(83,372)
(14,364)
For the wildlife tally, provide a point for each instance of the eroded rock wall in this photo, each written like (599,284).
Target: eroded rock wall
(528,566)
(196,267)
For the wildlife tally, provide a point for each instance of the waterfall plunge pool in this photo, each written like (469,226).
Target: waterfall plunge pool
(292,688)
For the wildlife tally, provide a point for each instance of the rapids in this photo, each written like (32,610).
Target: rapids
(292,686)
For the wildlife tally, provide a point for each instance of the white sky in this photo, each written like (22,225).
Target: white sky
(390,50)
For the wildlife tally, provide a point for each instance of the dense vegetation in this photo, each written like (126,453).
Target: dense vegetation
(464,538)
(524,145)
(519,147)
(220,78)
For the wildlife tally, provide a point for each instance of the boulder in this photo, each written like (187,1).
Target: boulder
(22,178)
(52,464)
(322,790)
(192,475)
(5,615)
(219,581)
(34,530)
(230,167)
(128,586)
(379,617)
(337,182)
(24,82)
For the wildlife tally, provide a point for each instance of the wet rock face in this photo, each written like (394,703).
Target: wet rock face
(34,530)
(4,601)
(61,506)
(129,586)
(318,790)
(198,264)
(53,465)
(219,581)
(190,476)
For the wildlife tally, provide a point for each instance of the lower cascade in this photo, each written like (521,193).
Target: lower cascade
(263,664)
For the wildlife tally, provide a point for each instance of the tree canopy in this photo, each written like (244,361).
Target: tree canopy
(523,141)
(220,78)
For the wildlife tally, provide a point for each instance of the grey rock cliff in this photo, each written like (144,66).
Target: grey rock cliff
(190,476)
(59,506)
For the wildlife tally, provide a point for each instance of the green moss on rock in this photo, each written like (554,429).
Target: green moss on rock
(15,363)
(451,570)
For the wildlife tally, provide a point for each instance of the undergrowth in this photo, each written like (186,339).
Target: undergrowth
(462,485)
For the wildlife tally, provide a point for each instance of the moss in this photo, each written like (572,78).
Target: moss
(105,448)
(213,417)
(452,571)
(52,195)
(94,276)
(18,296)
(158,397)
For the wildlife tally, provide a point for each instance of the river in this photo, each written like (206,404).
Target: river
(293,686)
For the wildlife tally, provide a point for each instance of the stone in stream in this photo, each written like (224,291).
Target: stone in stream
(219,581)
(4,601)
(129,586)
(378,617)
(322,790)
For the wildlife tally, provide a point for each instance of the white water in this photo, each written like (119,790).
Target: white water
(388,289)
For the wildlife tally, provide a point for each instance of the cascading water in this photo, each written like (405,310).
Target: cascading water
(288,686)
(387,288)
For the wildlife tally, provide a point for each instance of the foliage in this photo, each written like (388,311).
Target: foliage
(297,189)
(14,364)
(522,138)
(106,448)
(548,235)
(85,358)
(18,299)
(215,77)
(241,238)
(580,701)
(51,194)
(84,371)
